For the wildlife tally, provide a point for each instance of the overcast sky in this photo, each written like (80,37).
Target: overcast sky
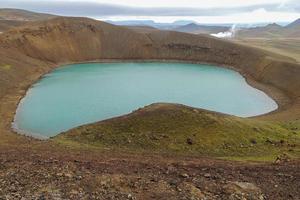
(202,11)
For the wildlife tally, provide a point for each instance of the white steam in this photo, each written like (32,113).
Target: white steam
(227,34)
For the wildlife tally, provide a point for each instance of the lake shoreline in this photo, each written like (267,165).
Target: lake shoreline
(278,96)
(131,68)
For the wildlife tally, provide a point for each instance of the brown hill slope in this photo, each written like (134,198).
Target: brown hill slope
(282,40)
(7,24)
(22,15)
(142,29)
(285,46)
(10,18)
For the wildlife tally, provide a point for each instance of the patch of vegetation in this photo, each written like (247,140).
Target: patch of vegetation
(6,67)
(179,129)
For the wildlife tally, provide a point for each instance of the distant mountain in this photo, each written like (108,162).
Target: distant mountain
(132,22)
(196,29)
(294,24)
(271,27)
(272,31)
(183,22)
(293,29)
(10,18)
(189,26)
(151,23)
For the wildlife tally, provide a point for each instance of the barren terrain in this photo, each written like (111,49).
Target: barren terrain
(285,46)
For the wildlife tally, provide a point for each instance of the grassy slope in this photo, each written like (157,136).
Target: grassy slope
(168,128)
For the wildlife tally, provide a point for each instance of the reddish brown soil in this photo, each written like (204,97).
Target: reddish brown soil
(55,174)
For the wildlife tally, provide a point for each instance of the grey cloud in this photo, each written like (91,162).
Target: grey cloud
(82,8)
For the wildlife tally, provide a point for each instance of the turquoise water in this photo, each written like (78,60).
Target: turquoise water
(83,93)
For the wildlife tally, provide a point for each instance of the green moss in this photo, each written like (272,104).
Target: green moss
(5,67)
(184,130)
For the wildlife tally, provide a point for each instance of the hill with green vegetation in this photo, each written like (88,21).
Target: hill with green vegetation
(172,128)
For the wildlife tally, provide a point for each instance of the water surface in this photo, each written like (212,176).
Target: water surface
(83,93)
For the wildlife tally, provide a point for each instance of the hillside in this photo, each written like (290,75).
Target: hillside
(197,29)
(285,46)
(181,129)
(141,29)
(22,15)
(7,24)
(10,18)
(278,39)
